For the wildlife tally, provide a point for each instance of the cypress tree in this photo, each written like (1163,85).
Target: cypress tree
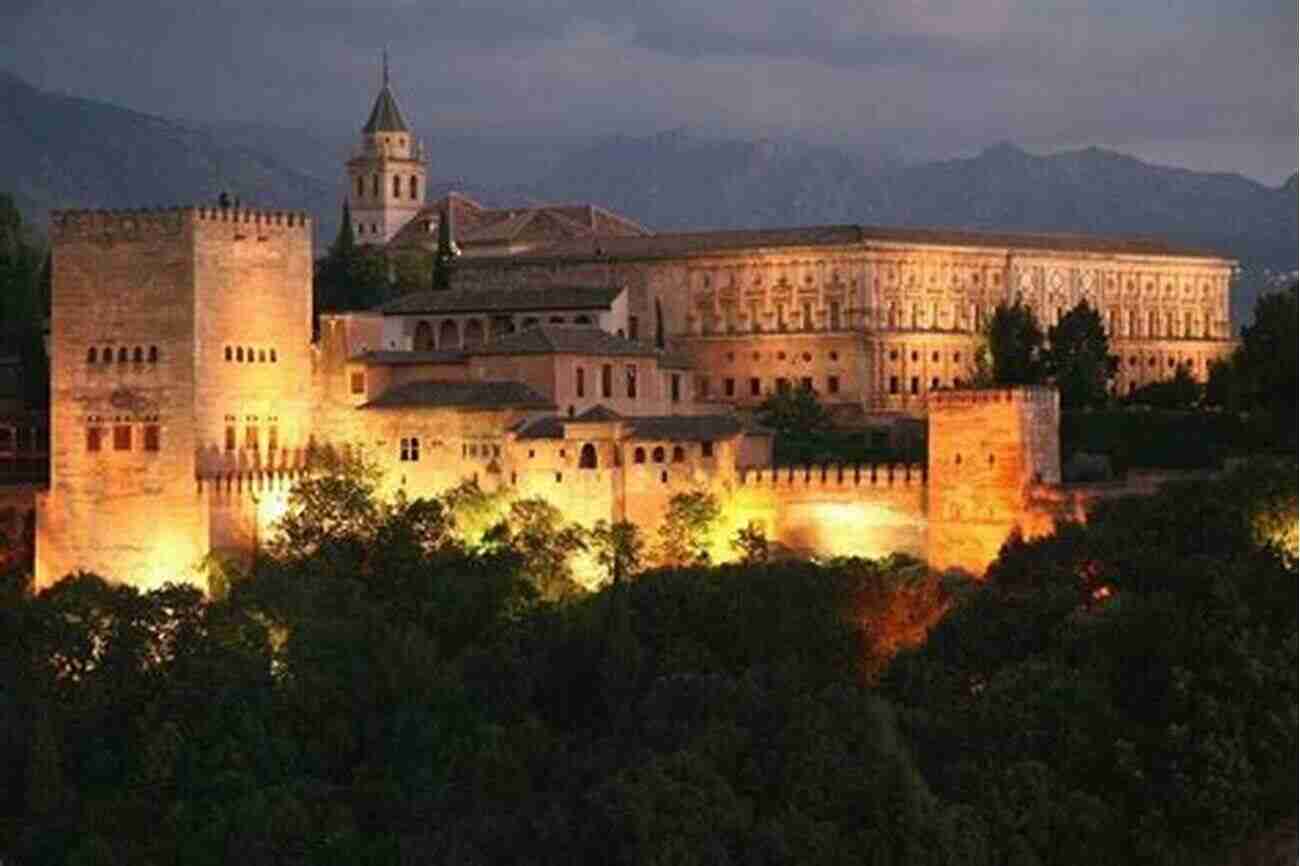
(444,258)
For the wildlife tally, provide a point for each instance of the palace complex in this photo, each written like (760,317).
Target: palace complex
(578,357)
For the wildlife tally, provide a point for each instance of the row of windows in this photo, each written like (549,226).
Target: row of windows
(124,437)
(412,186)
(607,382)
(806,357)
(916,356)
(449,334)
(658,454)
(806,320)
(248,355)
(253,437)
(484,450)
(914,384)
(780,385)
(138,355)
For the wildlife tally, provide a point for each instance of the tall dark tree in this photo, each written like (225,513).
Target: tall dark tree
(444,259)
(1263,370)
(802,424)
(350,277)
(1078,358)
(23,272)
(1013,348)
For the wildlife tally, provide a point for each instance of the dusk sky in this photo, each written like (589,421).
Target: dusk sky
(1208,84)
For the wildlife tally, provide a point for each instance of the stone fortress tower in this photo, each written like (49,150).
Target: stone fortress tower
(180,349)
(386,175)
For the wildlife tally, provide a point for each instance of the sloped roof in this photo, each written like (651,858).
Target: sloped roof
(542,223)
(598,414)
(662,428)
(460,395)
(502,300)
(564,340)
(385,116)
(678,244)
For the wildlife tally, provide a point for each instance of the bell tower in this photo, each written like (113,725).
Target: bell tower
(386,174)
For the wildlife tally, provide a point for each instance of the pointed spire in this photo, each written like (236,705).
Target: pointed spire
(385,66)
(385,116)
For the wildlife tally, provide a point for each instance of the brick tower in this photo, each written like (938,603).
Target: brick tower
(180,368)
(386,175)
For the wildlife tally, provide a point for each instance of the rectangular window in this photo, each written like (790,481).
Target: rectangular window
(780,317)
(633,328)
(94,438)
(410,450)
(273,438)
(706,448)
(893,384)
(631,381)
(755,387)
(832,384)
(607,381)
(250,438)
(702,386)
(675,387)
(152,437)
(729,386)
(580,382)
(782,385)
(358,383)
(807,315)
(916,384)
(122,437)
(230,438)
(835,315)
(755,320)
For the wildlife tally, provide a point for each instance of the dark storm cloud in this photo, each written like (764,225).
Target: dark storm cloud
(1205,81)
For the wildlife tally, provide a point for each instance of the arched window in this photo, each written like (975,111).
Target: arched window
(557,320)
(582,320)
(230,354)
(121,355)
(107,354)
(153,354)
(397,186)
(273,358)
(587,458)
(138,355)
(261,356)
(448,335)
(679,454)
(239,353)
(423,337)
(248,354)
(415,187)
(657,455)
(361,186)
(474,333)
(92,356)
(638,456)
(374,185)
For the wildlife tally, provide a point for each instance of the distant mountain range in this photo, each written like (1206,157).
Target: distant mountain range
(61,151)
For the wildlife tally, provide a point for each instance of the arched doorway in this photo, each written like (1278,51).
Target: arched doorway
(423,337)
(448,335)
(587,458)
(473,333)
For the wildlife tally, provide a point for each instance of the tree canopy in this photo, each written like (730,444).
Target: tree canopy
(1012,353)
(1077,358)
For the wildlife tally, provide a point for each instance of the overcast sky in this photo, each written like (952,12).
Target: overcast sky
(1209,84)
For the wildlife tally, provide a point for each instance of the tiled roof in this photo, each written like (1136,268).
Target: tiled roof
(598,413)
(706,242)
(686,428)
(538,223)
(564,340)
(502,300)
(663,428)
(393,358)
(385,116)
(469,395)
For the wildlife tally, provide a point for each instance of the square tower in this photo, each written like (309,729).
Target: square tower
(180,352)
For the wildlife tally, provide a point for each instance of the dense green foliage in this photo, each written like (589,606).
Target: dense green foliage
(1156,438)
(24,302)
(806,434)
(350,277)
(380,691)
(1078,360)
(1013,351)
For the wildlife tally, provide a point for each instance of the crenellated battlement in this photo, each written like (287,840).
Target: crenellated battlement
(835,477)
(249,481)
(167,222)
(1024,394)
